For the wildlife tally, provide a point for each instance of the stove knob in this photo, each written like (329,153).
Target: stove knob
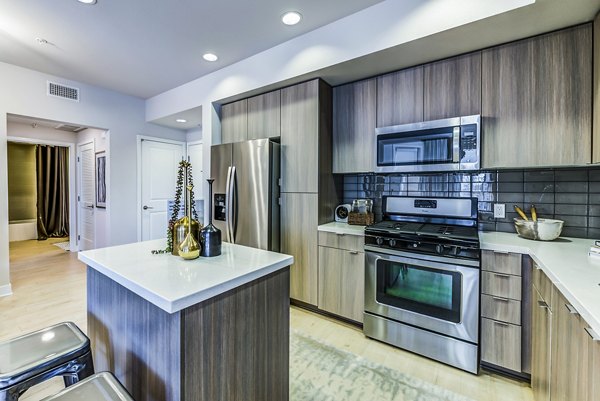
(439,248)
(379,241)
(415,245)
(456,250)
(392,242)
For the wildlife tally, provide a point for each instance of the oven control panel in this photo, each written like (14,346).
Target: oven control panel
(423,246)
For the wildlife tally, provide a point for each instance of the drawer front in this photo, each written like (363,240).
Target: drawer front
(503,309)
(501,262)
(501,344)
(543,284)
(501,285)
(342,241)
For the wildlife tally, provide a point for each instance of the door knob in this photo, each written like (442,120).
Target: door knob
(147,207)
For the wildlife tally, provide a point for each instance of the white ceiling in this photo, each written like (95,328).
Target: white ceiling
(145,47)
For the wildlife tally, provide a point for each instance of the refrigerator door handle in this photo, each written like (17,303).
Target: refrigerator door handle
(232,206)
(228,204)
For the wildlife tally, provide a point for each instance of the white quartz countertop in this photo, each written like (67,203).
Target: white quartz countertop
(342,228)
(565,261)
(172,283)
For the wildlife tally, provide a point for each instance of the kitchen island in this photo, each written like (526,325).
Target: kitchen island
(207,329)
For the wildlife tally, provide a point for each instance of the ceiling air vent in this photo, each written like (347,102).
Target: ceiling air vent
(63,91)
(69,128)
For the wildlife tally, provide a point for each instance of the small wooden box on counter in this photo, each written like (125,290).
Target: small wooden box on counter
(361,219)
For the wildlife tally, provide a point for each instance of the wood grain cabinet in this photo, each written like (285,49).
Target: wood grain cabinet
(596,91)
(501,315)
(264,115)
(400,97)
(309,193)
(541,326)
(299,222)
(300,137)
(354,121)
(536,101)
(342,282)
(234,121)
(593,370)
(453,87)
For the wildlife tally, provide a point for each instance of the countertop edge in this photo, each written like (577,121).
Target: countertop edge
(183,303)
(342,228)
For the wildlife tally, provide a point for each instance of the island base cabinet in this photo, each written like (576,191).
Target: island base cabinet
(234,346)
(342,282)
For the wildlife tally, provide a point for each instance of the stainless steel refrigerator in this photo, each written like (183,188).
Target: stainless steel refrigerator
(246,192)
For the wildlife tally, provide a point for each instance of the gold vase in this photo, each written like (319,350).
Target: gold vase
(185,224)
(189,248)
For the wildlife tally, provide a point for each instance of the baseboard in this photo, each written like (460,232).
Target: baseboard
(5,290)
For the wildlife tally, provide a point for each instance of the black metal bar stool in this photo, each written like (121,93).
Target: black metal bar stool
(59,350)
(99,387)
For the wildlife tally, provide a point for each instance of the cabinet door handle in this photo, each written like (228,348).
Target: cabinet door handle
(501,252)
(571,309)
(340,234)
(500,323)
(592,333)
(501,275)
(500,299)
(542,304)
(353,252)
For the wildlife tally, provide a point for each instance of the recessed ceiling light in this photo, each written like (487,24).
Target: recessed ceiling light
(181,120)
(291,18)
(87,1)
(210,57)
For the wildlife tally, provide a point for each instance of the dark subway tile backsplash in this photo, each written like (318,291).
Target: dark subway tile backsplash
(572,195)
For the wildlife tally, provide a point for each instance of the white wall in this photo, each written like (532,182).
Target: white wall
(24,93)
(22,130)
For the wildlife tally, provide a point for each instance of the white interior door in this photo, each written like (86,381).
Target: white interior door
(86,195)
(159,164)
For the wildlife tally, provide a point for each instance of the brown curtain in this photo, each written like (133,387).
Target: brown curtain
(52,171)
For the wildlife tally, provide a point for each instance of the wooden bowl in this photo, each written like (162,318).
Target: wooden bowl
(542,229)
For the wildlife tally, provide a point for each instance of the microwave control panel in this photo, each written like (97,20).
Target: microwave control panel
(469,145)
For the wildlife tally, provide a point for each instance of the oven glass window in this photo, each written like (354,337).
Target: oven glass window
(423,290)
(425,147)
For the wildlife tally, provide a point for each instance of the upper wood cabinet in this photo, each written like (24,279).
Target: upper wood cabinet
(453,87)
(354,120)
(234,121)
(596,89)
(400,97)
(300,137)
(264,115)
(536,101)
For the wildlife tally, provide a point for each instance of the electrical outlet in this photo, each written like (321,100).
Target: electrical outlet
(499,210)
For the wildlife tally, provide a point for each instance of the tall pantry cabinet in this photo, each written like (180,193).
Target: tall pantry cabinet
(308,190)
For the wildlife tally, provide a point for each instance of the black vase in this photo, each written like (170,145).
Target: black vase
(210,236)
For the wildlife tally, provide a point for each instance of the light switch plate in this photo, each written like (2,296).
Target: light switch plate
(499,210)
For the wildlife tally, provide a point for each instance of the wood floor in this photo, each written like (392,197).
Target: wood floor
(49,287)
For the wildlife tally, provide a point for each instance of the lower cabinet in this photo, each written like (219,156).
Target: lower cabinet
(299,222)
(566,351)
(541,327)
(342,274)
(342,282)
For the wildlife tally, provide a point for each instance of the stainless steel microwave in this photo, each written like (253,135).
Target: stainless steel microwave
(450,144)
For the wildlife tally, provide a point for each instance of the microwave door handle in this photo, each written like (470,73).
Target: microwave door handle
(456,145)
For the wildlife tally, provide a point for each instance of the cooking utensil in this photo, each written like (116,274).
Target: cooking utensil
(521,212)
(533,213)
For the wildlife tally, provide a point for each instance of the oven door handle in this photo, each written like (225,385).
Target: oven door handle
(447,266)
(418,258)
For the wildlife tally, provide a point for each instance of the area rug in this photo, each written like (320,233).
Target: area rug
(63,245)
(320,372)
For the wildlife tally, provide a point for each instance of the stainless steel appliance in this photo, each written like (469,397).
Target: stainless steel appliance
(246,192)
(422,278)
(441,145)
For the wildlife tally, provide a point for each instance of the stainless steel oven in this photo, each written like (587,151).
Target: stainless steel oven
(441,145)
(422,279)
